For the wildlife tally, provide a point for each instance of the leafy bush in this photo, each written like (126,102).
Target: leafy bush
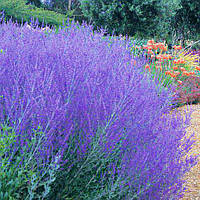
(186,22)
(18,10)
(60,6)
(146,18)
(69,8)
(189,91)
(97,114)
(37,3)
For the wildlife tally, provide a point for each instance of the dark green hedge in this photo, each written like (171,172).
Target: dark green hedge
(187,19)
(145,18)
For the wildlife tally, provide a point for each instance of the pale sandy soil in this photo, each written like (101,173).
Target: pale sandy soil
(193,177)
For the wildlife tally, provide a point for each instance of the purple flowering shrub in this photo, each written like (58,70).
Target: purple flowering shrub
(101,117)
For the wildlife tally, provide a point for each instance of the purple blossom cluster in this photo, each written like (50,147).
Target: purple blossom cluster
(74,81)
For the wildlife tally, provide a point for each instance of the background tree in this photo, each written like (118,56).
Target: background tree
(146,18)
(34,2)
(172,20)
(186,22)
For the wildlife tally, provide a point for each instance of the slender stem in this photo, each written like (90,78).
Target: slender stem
(192,45)
(69,4)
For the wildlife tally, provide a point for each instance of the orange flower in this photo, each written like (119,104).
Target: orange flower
(159,56)
(180,82)
(172,75)
(175,62)
(145,47)
(185,73)
(177,73)
(182,61)
(150,52)
(155,47)
(179,61)
(175,68)
(150,46)
(150,42)
(147,66)
(160,45)
(167,72)
(191,73)
(177,47)
(164,48)
(182,69)
(197,68)
(170,57)
(165,56)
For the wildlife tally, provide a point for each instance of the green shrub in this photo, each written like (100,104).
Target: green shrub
(69,8)
(147,18)
(186,22)
(60,6)
(37,3)
(18,10)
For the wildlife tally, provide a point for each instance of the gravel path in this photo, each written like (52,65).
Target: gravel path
(193,177)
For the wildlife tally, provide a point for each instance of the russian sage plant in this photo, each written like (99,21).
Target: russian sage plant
(102,120)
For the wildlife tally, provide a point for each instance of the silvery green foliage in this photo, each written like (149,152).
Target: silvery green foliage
(94,175)
(71,83)
(20,177)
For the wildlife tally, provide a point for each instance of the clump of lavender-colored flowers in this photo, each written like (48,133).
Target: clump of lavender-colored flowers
(84,122)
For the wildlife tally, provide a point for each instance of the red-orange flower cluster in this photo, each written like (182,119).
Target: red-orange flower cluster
(179,61)
(177,70)
(198,68)
(152,45)
(147,67)
(176,47)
